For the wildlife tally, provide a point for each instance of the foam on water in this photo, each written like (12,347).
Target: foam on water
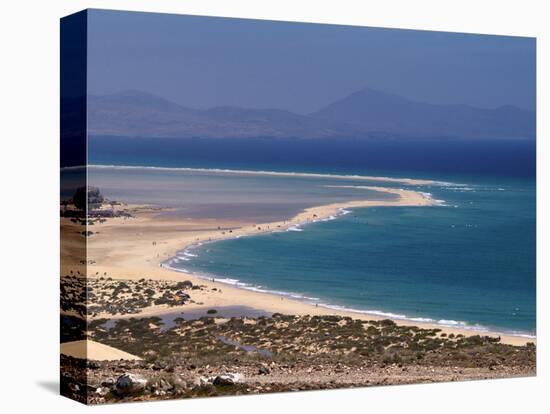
(413,181)
(237,283)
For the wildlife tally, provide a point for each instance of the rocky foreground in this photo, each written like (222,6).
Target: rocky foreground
(215,356)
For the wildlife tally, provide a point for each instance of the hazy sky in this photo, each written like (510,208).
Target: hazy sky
(203,62)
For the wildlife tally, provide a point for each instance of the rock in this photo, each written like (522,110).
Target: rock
(158,366)
(165,385)
(183,296)
(93,365)
(186,284)
(128,384)
(227,379)
(160,385)
(200,381)
(102,391)
(263,370)
(108,383)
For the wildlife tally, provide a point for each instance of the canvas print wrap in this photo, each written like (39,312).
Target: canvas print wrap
(254,206)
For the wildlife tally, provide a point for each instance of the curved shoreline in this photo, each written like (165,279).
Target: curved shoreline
(370,314)
(312,301)
(140,263)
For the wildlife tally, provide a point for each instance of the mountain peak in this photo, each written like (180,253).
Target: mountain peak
(372,111)
(136,99)
(364,113)
(367,99)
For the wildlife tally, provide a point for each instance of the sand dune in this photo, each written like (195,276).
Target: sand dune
(94,351)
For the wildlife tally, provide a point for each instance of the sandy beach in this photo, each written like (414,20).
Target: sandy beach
(95,351)
(135,248)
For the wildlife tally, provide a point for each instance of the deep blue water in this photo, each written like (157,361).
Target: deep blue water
(470,261)
(498,158)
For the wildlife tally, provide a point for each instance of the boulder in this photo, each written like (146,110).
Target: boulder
(200,381)
(108,383)
(182,295)
(227,379)
(161,385)
(186,284)
(264,370)
(128,384)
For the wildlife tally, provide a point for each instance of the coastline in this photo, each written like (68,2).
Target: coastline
(138,247)
(394,180)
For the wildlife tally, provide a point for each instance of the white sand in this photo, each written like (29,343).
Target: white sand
(95,351)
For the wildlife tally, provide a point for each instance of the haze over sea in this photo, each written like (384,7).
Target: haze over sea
(469,261)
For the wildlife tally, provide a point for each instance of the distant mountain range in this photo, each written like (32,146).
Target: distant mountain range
(363,114)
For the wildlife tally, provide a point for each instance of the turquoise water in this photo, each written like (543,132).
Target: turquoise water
(468,262)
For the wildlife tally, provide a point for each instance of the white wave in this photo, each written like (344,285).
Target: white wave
(295,228)
(463,325)
(423,320)
(362,311)
(429,196)
(448,184)
(460,188)
(227,280)
(450,322)
(521,334)
(255,288)
(384,314)
(267,172)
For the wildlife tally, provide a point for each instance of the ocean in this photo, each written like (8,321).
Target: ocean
(469,261)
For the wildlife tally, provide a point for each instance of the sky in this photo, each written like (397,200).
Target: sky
(203,62)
